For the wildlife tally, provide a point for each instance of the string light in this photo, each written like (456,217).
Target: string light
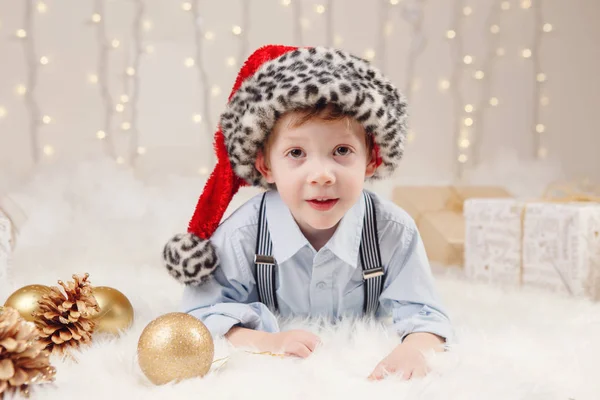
(120,160)
(541,77)
(464,143)
(115,43)
(46,119)
(338,40)
(189,62)
(525,4)
(444,84)
(209,35)
(186,6)
(21,33)
(197,118)
(394,2)
(494,29)
(500,51)
(96,18)
(494,101)
(3,112)
(149,49)
(125,126)
(147,25)
(526,53)
(236,30)
(505,5)
(102,78)
(544,101)
(42,7)
(21,90)
(243,38)
(203,171)
(44,60)
(468,59)
(230,61)
(329,28)
(540,128)
(451,34)
(141,150)
(48,150)
(462,158)
(124,98)
(467,11)
(547,28)
(370,54)
(469,108)
(468,121)
(130,71)
(120,108)
(319,8)
(286,3)
(479,74)
(215,90)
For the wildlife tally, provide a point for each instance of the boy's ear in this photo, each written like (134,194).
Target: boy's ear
(371,165)
(263,168)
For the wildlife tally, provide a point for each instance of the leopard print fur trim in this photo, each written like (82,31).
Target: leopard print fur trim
(313,77)
(190,259)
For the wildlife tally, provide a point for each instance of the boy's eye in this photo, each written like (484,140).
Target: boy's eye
(296,153)
(342,151)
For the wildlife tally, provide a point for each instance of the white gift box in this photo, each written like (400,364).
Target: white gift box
(549,245)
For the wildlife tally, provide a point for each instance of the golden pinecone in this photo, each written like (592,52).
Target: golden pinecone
(23,360)
(64,319)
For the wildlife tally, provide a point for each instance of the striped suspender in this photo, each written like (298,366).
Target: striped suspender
(265,263)
(370,260)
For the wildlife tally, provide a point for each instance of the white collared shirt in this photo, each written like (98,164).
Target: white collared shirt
(326,283)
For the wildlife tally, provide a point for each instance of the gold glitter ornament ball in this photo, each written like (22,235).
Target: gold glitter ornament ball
(116,312)
(25,300)
(175,347)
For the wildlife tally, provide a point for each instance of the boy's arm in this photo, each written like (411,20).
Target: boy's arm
(229,298)
(410,294)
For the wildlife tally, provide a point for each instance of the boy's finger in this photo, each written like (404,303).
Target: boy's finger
(377,373)
(300,350)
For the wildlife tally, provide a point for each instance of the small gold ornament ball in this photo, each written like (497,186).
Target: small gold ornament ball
(116,311)
(174,347)
(25,300)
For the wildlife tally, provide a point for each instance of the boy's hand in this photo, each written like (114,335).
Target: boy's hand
(292,343)
(407,359)
(295,343)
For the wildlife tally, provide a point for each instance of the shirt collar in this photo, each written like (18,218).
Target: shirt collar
(288,239)
(285,233)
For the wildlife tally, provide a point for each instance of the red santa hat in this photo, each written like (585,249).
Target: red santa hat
(273,80)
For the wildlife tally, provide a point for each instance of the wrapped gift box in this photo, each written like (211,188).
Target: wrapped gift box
(438,213)
(549,245)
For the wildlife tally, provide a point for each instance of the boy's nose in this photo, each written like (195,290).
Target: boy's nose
(322,176)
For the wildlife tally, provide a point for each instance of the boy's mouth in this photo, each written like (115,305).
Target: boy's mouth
(322,204)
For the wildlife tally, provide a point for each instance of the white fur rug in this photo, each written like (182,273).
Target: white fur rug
(513,344)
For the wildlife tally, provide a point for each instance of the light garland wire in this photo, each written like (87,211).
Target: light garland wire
(382,18)
(456,79)
(102,78)
(297,26)
(32,61)
(414,14)
(329,24)
(540,149)
(244,45)
(135,149)
(485,73)
(202,75)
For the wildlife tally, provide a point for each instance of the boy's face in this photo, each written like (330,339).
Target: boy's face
(319,169)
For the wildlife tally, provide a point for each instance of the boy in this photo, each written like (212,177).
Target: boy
(310,125)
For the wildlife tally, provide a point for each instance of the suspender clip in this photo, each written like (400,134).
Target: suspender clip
(260,259)
(372,273)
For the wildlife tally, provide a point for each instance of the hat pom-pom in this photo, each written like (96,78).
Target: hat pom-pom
(190,259)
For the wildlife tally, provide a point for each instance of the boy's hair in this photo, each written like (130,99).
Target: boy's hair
(330,113)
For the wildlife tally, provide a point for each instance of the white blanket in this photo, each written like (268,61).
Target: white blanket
(513,344)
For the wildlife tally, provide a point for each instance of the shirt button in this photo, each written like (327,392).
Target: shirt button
(321,285)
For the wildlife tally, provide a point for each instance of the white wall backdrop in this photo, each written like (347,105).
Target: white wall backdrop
(492,84)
